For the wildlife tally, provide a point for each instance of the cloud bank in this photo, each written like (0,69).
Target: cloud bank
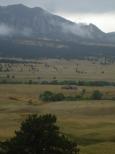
(81,6)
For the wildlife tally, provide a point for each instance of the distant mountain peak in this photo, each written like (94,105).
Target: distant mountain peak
(15,6)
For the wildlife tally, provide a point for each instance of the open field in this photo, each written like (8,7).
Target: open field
(49,69)
(92,123)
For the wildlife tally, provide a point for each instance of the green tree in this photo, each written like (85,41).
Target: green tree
(97,95)
(39,135)
(49,96)
(59,97)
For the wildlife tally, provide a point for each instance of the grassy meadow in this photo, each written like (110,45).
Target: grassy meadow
(90,122)
(49,69)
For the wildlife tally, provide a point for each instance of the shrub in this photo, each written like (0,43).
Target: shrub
(49,96)
(97,95)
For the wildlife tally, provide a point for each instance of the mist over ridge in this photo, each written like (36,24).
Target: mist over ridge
(22,21)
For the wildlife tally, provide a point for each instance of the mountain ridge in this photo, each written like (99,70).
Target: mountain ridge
(35,33)
(20,20)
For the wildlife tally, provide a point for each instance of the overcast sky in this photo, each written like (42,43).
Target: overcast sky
(99,12)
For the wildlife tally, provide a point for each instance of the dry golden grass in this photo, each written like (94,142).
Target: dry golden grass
(103,148)
(92,123)
(49,69)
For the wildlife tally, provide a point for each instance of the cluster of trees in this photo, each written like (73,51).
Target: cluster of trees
(39,135)
(79,83)
(57,82)
(49,96)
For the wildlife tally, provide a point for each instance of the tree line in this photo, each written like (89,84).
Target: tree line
(49,96)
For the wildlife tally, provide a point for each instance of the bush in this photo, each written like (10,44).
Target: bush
(97,95)
(70,98)
(59,97)
(48,96)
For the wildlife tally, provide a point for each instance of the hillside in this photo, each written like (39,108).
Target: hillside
(35,33)
(22,21)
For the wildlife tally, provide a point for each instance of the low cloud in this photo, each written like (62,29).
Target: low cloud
(5,30)
(80,29)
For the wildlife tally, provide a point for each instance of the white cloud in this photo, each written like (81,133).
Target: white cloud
(104,21)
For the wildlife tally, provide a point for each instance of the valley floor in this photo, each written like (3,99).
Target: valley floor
(91,123)
(58,69)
